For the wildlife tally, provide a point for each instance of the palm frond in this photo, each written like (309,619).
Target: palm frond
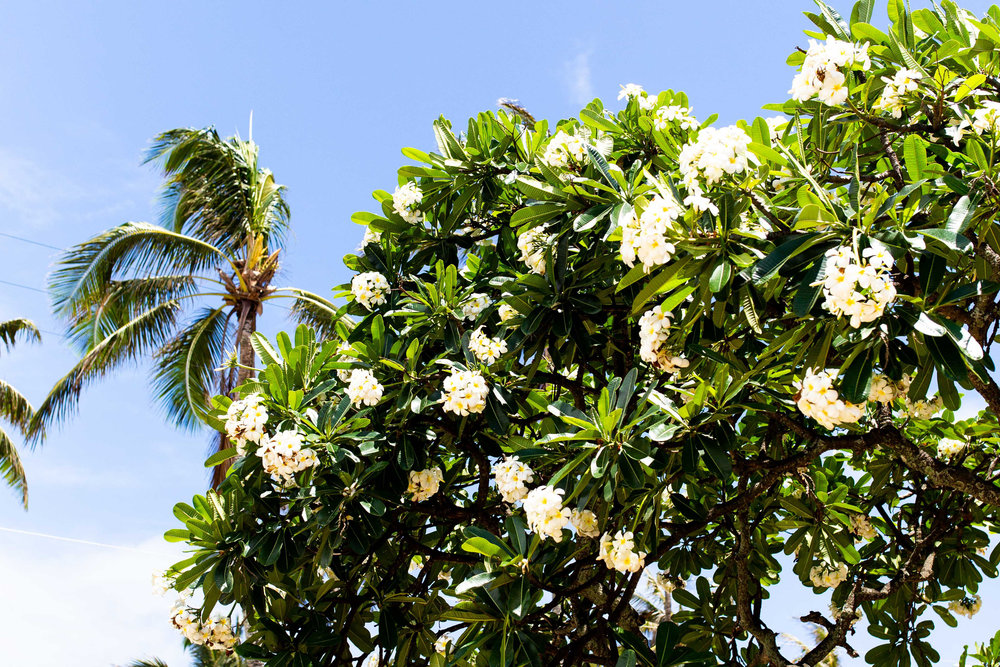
(11,469)
(322,315)
(14,407)
(11,329)
(120,302)
(140,335)
(184,378)
(135,249)
(151,662)
(215,189)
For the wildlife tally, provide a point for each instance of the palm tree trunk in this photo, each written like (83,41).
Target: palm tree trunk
(247,327)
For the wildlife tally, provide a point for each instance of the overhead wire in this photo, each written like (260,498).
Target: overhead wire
(60,538)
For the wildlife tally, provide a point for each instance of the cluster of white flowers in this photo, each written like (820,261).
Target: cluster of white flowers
(858,290)
(619,552)
(476,304)
(823,72)
(682,116)
(949,447)
(862,527)
(424,483)
(819,400)
(902,82)
(465,392)
(654,327)
(216,633)
(633,91)
(512,477)
(363,388)
(645,237)
(371,236)
(775,126)
(826,576)
(565,148)
(532,245)
(585,522)
(245,421)
(716,152)
(544,512)
(406,200)
(283,455)
(967,606)
(161,583)
(883,390)
(345,350)
(507,312)
(486,349)
(369,288)
(924,409)
(987,118)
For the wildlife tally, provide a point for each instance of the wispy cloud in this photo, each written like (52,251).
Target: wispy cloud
(105,592)
(578,82)
(34,196)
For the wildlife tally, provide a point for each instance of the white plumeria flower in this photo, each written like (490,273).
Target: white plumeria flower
(823,72)
(424,483)
(465,392)
(619,553)
(585,522)
(948,448)
(819,400)
(512,477)
(370,289)
(363,388)
(532,245)
(544,512)
(405,202)
(486,349)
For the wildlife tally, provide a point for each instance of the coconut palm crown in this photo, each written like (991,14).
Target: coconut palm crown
(186,292)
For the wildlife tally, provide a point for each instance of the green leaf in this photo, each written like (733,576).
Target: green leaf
(961,215)
(720,276)
(978,288)
(219,457)
(765,269)
(597,121)
(473,532)
(601,164)
(952,240)
(915,156)
(857,380)
(530,215)
(476,581)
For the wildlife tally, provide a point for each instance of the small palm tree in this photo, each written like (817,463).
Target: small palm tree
(15,410)
(201,657)
(186,292)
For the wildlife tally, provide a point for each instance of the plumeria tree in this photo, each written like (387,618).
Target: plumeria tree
(634,357)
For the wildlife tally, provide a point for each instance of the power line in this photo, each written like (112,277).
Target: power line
(24,240)
(76,541)
(33,289)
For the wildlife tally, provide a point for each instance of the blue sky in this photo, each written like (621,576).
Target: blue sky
(336,90)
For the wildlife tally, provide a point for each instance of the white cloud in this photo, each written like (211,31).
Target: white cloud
(77,604)
(578,82)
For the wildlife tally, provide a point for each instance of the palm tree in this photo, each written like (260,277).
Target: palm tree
(202,657)
(15,409)
(186,292)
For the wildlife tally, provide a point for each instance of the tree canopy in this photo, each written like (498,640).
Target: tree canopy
(636,349)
